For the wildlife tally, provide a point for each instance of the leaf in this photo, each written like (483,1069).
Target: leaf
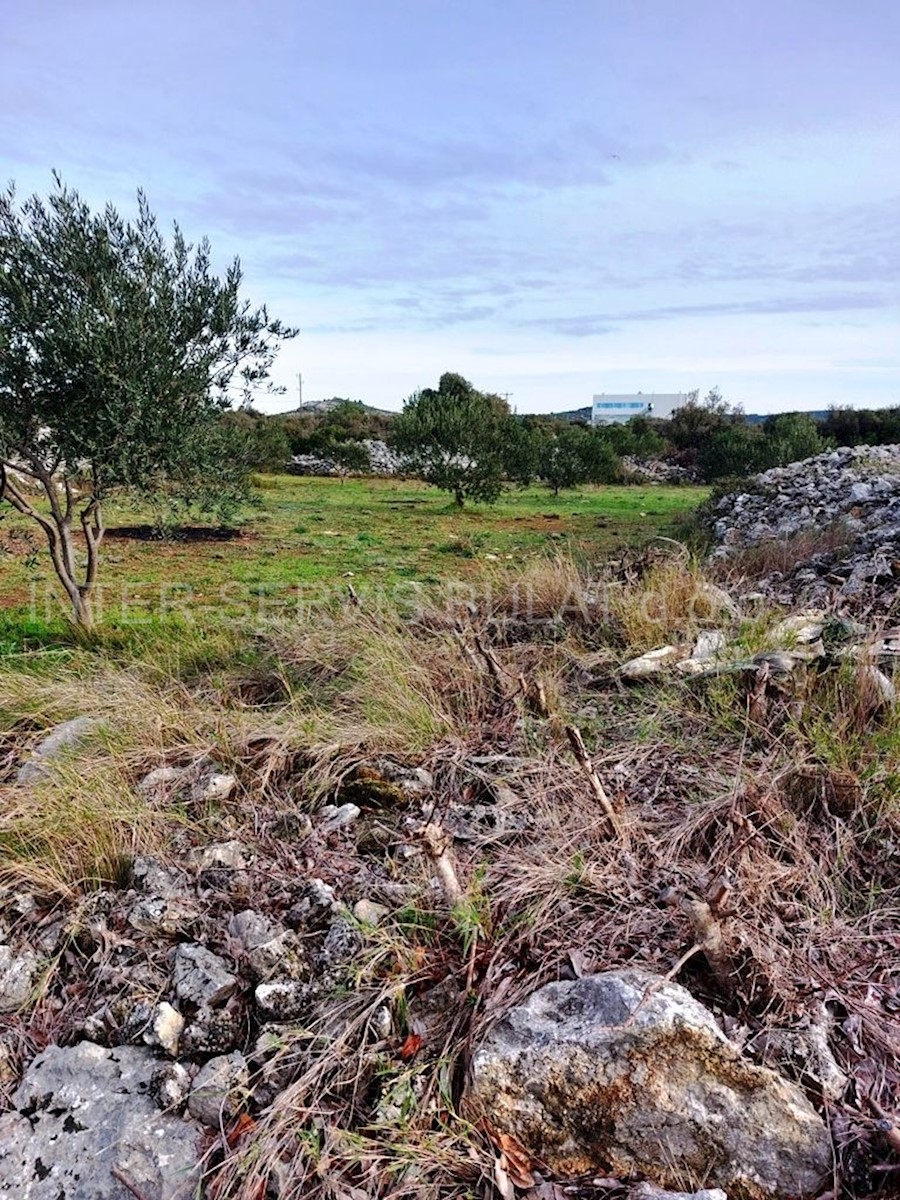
(241,1127)
(411,1046)
(518,1160)
(515,1159)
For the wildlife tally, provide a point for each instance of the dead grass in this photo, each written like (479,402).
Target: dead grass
(774,808)
(781,555)
(670,602)
(79,830)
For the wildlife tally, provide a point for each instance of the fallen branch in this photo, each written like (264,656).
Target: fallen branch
(494,669)
(535,696)
(710,939)
(578,749)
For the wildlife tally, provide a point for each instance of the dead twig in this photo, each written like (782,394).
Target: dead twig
(578,749)
(535,696)
(490,659)
(127,1182)
(710,939)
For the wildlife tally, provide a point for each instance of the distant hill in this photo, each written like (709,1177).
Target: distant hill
(324,406)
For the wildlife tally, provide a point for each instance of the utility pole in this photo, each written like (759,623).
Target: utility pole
(300,388)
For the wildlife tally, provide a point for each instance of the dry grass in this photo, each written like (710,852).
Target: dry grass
(78,830)
(778,813)
(781,555)
(670,602)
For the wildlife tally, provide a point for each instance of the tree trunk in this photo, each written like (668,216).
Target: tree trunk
(459,498)
(60,540)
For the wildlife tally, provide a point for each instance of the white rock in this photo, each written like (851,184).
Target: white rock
(60,739)
(369,912)
(652,662)
(18,977)
(165,1028)
(215,789)
(334,818)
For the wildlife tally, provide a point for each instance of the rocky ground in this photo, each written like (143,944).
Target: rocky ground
(822,531)
(611,929)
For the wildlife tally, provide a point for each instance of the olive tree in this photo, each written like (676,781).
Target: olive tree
(572,455)
(119,351)
(454,437)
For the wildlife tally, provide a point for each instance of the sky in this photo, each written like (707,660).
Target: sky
(554,199)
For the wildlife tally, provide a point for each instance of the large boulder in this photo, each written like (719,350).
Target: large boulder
(82,1113)
(626,1072)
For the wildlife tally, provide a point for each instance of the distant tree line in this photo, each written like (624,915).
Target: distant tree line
(469,443)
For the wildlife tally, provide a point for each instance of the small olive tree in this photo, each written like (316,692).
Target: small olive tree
(454,437)
(118,351)
(572,455)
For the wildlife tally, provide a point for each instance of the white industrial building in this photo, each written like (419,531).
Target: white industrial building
(608,410)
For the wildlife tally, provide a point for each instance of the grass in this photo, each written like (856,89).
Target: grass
(310,538)
(783,786)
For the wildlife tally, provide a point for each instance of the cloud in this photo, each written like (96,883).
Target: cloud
(597,323)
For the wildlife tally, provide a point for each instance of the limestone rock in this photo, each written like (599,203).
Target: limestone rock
(213,1031)
(60,739)
(169,1086)
(201,977)
(18,975)
(283,1000)
(162,780)
(343,942)
(215,788)
(87,1112)
(219,1090)
(369,913)
(335,818)
(627,1073)
(267,947)
(164,1030)
(164,915)
(231,856)
(651,663)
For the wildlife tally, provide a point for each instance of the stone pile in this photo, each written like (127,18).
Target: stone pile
(831,522)
(176,1006)
(382,461)
(655,470)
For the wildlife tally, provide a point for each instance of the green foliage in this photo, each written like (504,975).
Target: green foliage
(567,456)
(259,442)
(117,354)
(861,426)
(789,437)
(730,449)
(454,437)
(639,436)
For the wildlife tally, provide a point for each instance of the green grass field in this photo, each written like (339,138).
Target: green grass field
(308,536)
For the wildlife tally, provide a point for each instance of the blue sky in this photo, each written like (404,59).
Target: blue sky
(553,199)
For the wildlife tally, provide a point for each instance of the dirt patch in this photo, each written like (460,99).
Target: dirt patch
(182,533)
